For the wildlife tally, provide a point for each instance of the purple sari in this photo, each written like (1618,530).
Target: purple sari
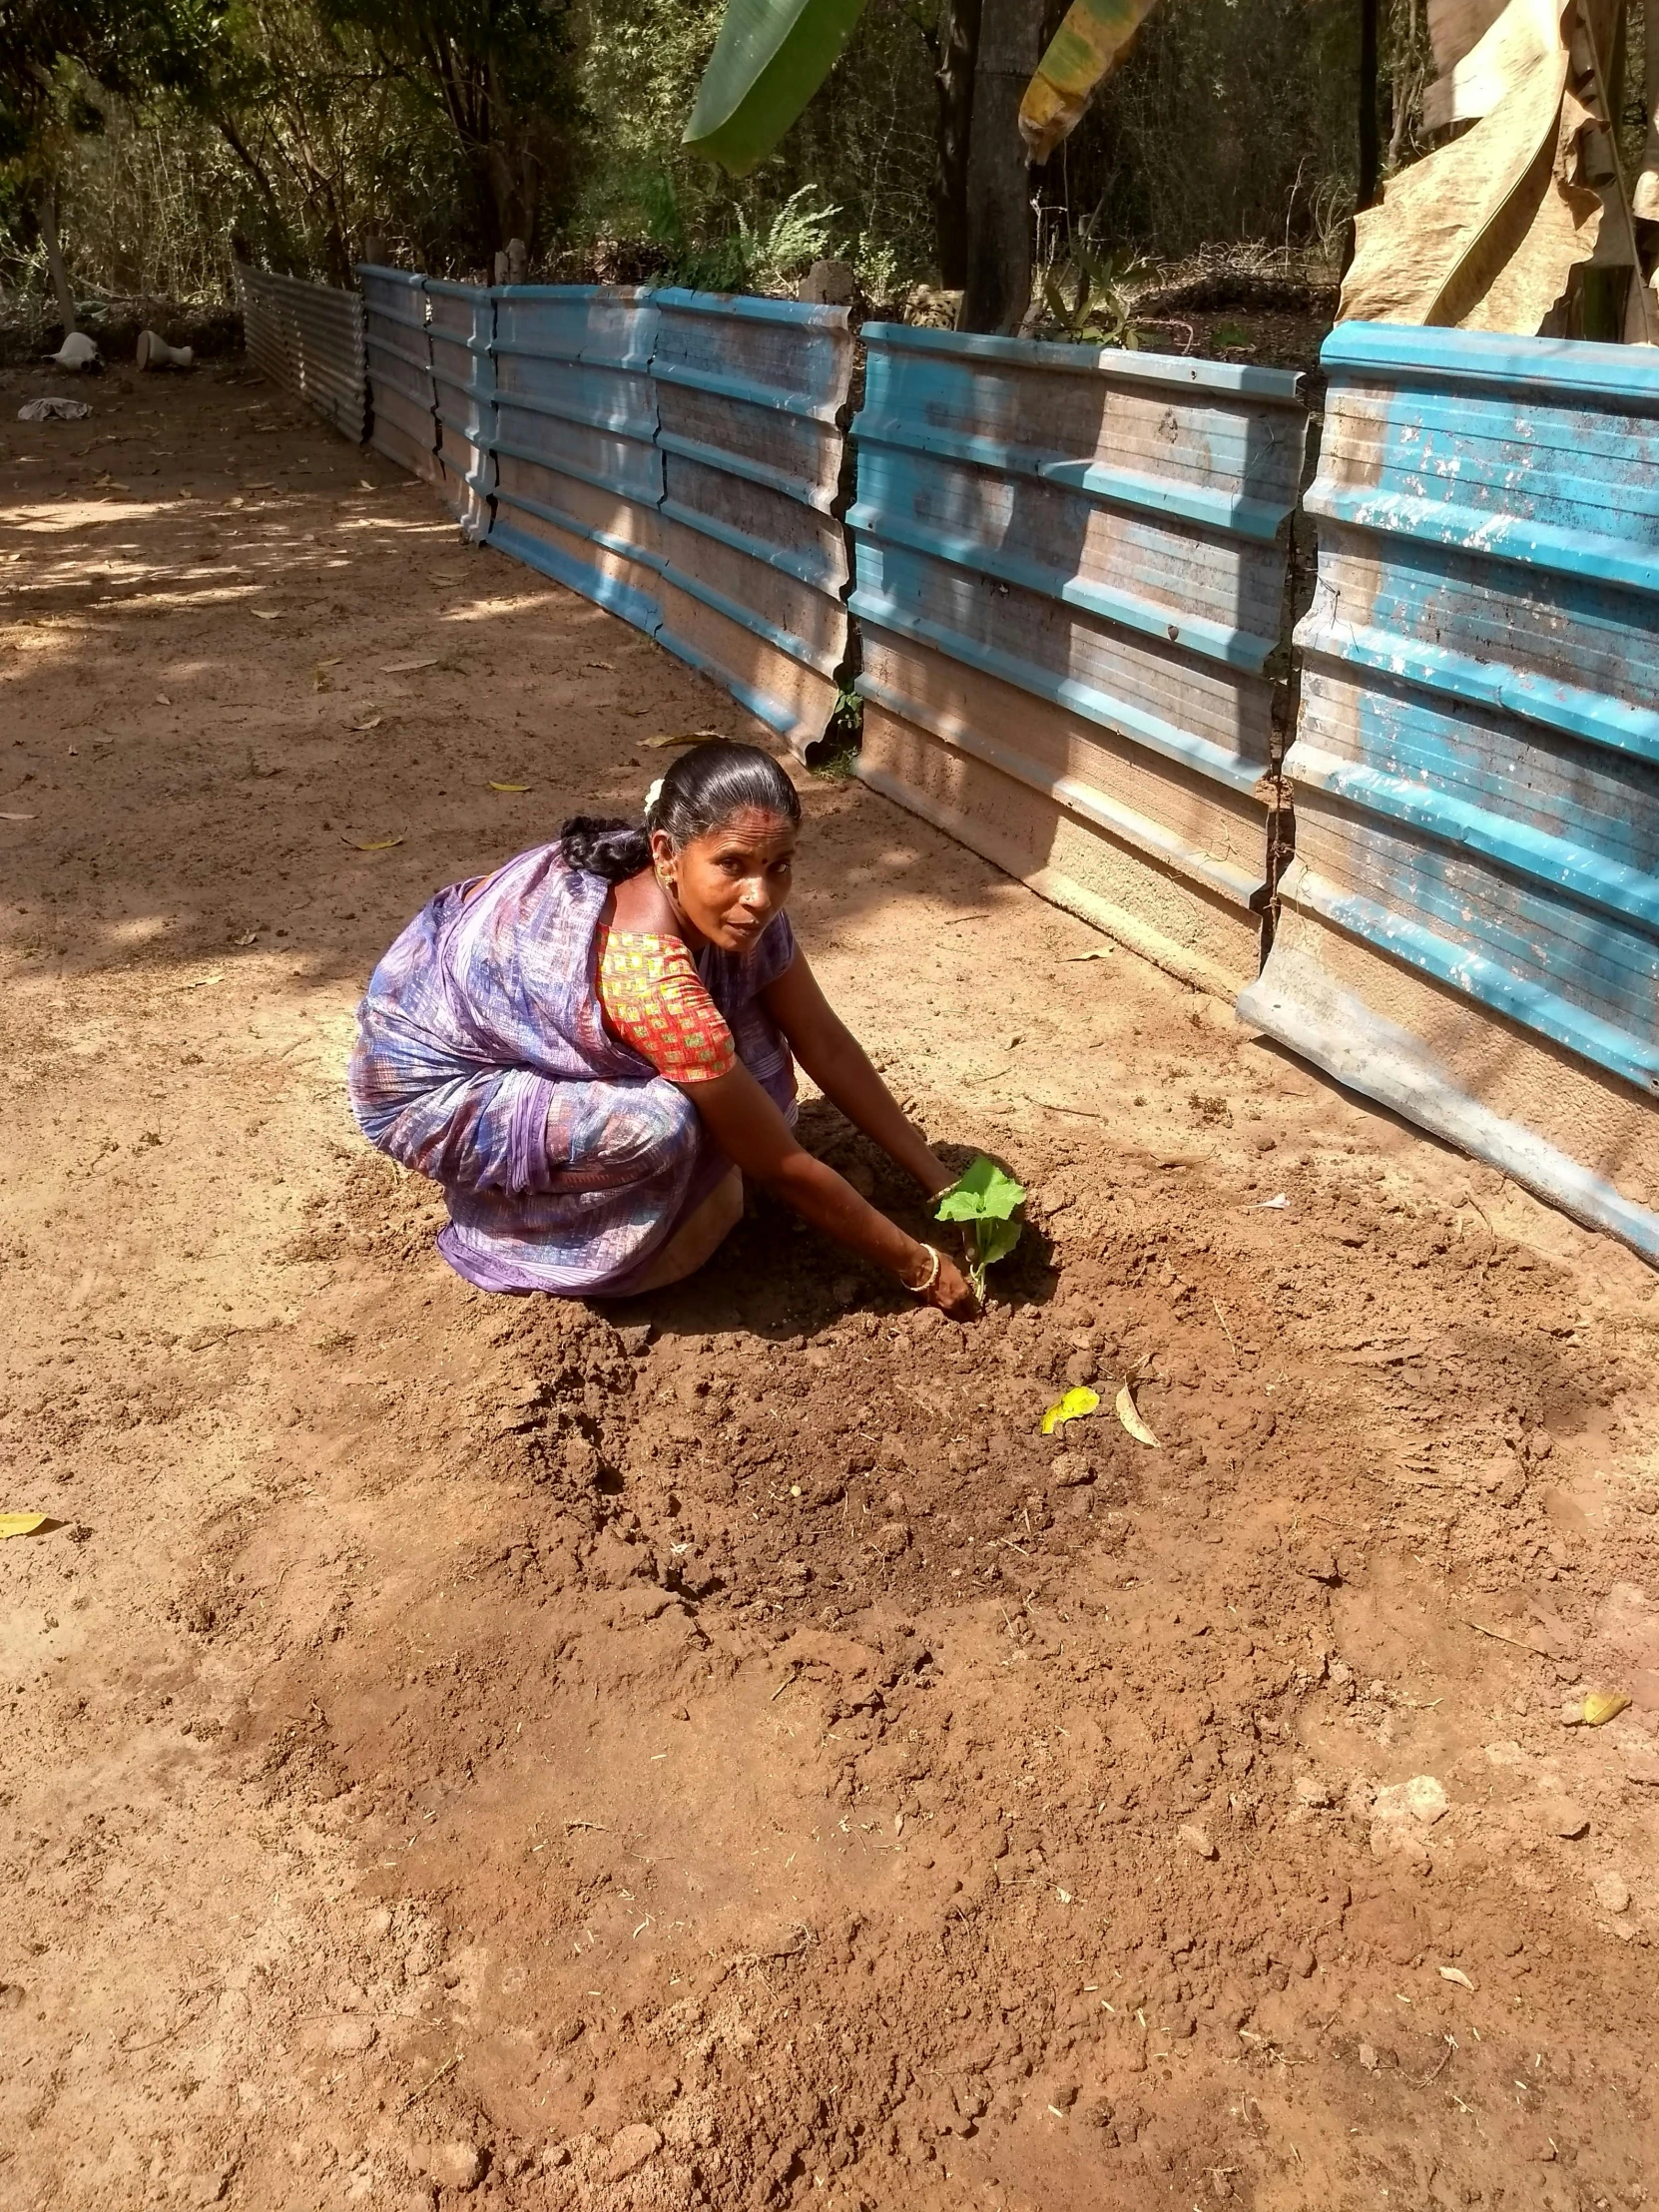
(482,1059)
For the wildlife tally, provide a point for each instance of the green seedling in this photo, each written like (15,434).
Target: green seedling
(987,1201)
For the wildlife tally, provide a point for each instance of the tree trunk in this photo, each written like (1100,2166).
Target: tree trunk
(958,51)
(1001,227)
(46,209)
(1369,139)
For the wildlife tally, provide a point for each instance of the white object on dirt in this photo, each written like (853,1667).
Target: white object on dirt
(77,351)
(53,409)
(1421,1799)
(155,353)
(1612,1890)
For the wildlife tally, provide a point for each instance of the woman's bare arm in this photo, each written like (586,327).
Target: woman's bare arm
(752,1132)
(839,1066)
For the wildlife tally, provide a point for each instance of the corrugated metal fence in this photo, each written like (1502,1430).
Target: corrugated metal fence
(461,334)
(1071,576)
(1070,590)
(673,455)
(1470,927)
(404,425)
(309,339)
(579,478)
(750,396)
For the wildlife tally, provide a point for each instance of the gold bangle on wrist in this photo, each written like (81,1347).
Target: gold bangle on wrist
(920,1290)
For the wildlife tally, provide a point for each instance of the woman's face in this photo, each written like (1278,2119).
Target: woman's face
(731,880)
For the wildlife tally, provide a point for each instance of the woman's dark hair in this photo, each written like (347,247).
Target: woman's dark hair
(705,788)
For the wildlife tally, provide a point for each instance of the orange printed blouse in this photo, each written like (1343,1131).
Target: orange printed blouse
(654,999)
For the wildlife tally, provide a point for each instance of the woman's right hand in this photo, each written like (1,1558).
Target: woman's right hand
(951,1292)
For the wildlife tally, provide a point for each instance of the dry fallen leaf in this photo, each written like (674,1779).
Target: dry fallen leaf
(372,722)
(22,1524)
(691,737)
(16,818)
(1457,1973)
(1072,1407)
(510,787)
(162,700)
(1125,1404)
(266,614)
(405,668)
(248,936)
(1602,1706)
(1271,1205)
(1095,952)
(374,844)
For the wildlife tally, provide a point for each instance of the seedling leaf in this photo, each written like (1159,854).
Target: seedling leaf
(983,1193)
(986,1199)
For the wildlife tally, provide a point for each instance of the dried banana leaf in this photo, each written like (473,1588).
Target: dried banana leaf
(1080,56)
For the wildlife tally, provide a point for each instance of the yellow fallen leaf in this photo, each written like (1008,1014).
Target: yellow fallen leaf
(22,1524)
(1132,1420)
(1083,50)
(1072,1407)
(1095,952)
(374,844)
(1602,1706)
(510,787)
(691,737)
(407,667)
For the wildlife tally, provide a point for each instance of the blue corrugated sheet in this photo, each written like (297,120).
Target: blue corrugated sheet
(1477,764)
(579,478)
(403,400)
(1070,574)
(461,331)
(750,395)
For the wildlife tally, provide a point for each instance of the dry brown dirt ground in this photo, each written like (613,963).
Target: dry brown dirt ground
(714,1752)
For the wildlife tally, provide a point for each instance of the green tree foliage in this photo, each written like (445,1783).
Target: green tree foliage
(59,61)
(500,74)
(305,125)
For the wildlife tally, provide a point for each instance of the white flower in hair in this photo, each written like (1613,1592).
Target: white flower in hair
(652,796)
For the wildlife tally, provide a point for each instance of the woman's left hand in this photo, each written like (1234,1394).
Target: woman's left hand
(951,1292)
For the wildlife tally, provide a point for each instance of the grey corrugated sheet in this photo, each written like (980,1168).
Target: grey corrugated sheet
(1071,576)
(1476,762)
(578,475)
(402,399)
(309,338)
(460,331)
(749,398)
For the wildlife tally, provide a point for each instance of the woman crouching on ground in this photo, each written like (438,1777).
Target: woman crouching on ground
(591,1047)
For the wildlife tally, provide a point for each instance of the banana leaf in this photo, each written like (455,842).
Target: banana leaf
(1082,52)
(770,58)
